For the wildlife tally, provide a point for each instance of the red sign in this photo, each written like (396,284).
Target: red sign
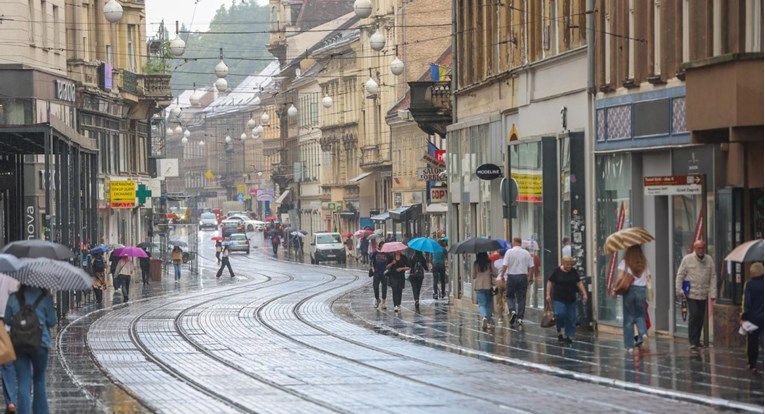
(441,156)
(439,194)
(253,191)
(123,205)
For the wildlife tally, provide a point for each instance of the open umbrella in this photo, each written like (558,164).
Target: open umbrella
(216,236)
(347,235)
(362,233)
(476,245)
(391,247)
(131,251)
(52,274)
(178,243)
(625,238)
(145,245)
(38,248)
(425,244)
(99,249)
(10,263)
(750,251)
(298,234)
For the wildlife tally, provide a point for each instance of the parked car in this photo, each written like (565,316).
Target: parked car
(208,221)
(327,247)
(239,243)
(249,224)
(229,227)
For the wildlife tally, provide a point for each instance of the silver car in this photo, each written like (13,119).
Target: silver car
(238,242)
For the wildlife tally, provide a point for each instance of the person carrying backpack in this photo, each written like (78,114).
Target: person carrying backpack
(98,264)
(417,275)
(275,240)
(30,314)
(8,286)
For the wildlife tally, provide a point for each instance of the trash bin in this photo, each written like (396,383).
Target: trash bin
(155,269)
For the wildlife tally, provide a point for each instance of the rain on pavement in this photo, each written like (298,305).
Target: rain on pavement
(284,336)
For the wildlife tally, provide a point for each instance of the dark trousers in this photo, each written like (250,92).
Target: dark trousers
(224,262)
(99,294)
(217,257)
(397,286)
(145,276)
(416,283)
(125,284)
(439,276)
(378,280)
(516,294)
(696,311)
(753,341)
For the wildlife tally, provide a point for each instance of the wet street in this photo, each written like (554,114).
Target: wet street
(283,336)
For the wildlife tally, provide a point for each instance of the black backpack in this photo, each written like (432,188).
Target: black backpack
(98,264)
(26,332)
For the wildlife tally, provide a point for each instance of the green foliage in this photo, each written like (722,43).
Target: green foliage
(241,30)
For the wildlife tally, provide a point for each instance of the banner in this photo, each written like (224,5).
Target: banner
(612,264)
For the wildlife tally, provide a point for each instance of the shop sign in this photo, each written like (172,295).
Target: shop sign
(529,187)
(430,174)
(441,156)
(122,193)
(488,172)
(65,90)
(439,194)
(672,185)
(433,161)
(265,195)
(240,188)
(30,219)
(331,206)
(253,191)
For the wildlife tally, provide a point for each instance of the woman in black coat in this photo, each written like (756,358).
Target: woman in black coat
(397,267)
(417,275)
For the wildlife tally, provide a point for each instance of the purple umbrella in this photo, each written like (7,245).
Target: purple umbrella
(131,251)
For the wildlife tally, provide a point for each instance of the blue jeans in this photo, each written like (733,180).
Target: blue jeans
(633,313)
(485,299)
(565,317)
(177,267)
(10,386)
(30,369)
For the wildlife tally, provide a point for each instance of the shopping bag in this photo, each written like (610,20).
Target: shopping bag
(7,354)
(548,318)
(647,318)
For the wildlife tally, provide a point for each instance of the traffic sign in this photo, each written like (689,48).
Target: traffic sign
(672,185)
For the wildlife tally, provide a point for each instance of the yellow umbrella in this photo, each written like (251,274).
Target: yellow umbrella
(625,238)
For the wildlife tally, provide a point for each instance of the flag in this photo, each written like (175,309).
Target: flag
(438,72)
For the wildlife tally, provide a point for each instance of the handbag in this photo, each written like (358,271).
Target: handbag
(548,317)
(7,354)
(371,272)
(623,285)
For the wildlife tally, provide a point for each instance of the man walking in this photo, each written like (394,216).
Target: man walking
(224,262)
(698,270)
(517,272)
(438,266)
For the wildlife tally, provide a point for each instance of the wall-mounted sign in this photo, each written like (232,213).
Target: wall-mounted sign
(439,194)
(433,161)
(488,172)
(265,195)
(122,193)
(441,156)
(65,90)
(529,187)
(672,185)
(430,174)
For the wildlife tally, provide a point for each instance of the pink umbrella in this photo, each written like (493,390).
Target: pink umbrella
(395,246)
(131,251)
(362,233)
(216,237)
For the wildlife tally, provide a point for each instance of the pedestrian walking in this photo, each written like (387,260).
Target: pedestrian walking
(177,258)
(752,312)
(31,367)
(697,269)
(397,267)
(275,241)
(125,270)
(417,275)
(499,284)
(378,263)
(517,271)
(634,266)
(8,286)
(225,262)
(364,249)
(438,267)
(113,261)
(98,267)
(561,293)
(218,250)
(483,275)
(145,264)
(348,249)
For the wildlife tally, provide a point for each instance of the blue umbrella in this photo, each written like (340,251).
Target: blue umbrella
(99,249)
(425,244)
(505,245)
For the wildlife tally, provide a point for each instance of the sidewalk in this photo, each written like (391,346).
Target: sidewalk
(665,366)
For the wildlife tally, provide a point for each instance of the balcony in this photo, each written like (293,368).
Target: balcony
(370,156)
(156,87)
(431,106)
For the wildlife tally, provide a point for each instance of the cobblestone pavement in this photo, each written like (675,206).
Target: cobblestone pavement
(289,337)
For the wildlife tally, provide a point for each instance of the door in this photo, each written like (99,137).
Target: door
(687,226)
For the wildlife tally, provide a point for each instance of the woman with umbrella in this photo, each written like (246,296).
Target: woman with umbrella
(124,271)
(634,267)
(397,267)
(379,261)
(98,264)
(31,366)
(177,257)
(483,274)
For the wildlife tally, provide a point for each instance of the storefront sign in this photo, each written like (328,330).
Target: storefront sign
(265,195)
(488,172)
(65,90)
(672,185)
(254,191)
(529,187)
(430,174)
(439,195)
(30,220)
(240,188)
(441,156)
(433,161)
(122,193)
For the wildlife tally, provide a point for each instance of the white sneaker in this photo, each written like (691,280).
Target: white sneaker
(384,306)
(396,309)
(377,303)
(484,323)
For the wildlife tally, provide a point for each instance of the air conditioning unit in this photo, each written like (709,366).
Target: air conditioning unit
(404,115)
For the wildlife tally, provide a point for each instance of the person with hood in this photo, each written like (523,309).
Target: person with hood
(751,311)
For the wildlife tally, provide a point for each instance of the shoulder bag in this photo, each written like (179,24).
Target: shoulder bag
(624,283)
(548,317)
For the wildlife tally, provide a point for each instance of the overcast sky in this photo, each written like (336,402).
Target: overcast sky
(202,12)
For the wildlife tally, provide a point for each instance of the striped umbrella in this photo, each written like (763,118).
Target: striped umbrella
(38,248)
(625,238)
(52,274)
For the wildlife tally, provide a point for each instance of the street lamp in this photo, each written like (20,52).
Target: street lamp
(362,8)
(184,140)
(264,118)
(112,11)
(327,101)
(177,45)
(186,133)
(221,84)
(251,123)
(228,139)
(292,111)
(377,41)
(201,143)
(178,130)
(371,88)
(243,136)
(221,69)
(396,66)
(257,131)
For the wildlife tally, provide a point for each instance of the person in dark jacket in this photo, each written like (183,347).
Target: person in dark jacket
(145,263)
(751,311)
(378,262)
(417,275)
(398,264)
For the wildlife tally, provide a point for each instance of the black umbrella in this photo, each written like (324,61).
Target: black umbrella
(475,245)
(145,245)
(38,248)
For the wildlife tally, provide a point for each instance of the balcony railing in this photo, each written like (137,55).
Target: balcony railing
(156,86)
(370,155)
(431,106)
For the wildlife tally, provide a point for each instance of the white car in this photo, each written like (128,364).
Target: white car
(249,224)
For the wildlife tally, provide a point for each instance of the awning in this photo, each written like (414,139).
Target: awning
(437,208)
(380,217)
(282,197)
(405,213)
(360,177)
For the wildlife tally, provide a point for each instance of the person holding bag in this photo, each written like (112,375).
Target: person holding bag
(483,274)
(634,268)
(561,293)
(125,270)
(397,267)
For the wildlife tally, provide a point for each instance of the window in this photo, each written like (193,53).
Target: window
(56,28)
(131,48)
(44,20)
(32,22)
(109,58)
(657,37)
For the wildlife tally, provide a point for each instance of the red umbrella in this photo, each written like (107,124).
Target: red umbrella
(216,237)
(347,235)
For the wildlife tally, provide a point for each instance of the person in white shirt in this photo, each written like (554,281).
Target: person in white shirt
(566,250)
(516,271)
(634,265)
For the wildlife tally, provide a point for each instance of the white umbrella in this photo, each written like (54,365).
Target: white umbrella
(298,234)
(52,274)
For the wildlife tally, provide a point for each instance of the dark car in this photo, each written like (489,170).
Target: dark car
(238,242)
(229,227)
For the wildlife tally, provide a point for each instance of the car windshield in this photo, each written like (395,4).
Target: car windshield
(328,238)
(238,237)
(208,216)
